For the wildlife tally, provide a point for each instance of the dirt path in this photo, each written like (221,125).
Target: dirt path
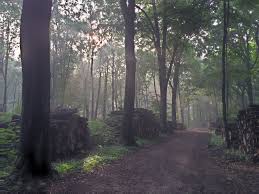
(180,165)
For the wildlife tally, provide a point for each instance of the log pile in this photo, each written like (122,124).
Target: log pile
(234,135)
(248,129)
(145,123)
(69,133)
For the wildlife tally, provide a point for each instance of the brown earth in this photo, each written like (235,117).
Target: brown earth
(181,164)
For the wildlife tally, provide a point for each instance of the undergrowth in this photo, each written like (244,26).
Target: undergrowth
(8,142)
(217,141)
(101,156)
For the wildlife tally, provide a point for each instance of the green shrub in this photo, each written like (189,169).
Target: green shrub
(100,157)
(216,140)
(65,167)
(103,156)
(92,162)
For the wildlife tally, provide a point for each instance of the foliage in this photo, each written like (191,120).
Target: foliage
(8,143)
(66,167)
(104,155)
(101,156)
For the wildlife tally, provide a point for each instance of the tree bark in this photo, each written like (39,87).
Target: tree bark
(181,105)
(35,57)
(105,91)
(6,66)
(113,80)
(224,73)
(98,94)
(174,93)
(92,84)
(128,10)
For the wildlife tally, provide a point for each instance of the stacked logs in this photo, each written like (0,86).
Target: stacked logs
(248,129)
(234,135)
(69,133)
(145,123)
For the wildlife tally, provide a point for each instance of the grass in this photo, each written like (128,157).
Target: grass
(101,156)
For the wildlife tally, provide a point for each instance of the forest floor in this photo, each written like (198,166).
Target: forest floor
(181,164)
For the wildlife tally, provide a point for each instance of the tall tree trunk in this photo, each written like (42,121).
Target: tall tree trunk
(98,94)
(35,57)
(161,56)
(113,80)
(105,91)
(181,106)
(174,93)
(128,10)
(154,84)
(92,84)
(6,66)
(86,94)
(224,73)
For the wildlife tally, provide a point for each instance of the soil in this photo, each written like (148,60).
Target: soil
(182,164)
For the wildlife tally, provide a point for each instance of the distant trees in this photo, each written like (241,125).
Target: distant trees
(35,56)
(9,20)
(128,11)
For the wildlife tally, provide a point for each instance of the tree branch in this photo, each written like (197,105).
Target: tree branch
(149,21)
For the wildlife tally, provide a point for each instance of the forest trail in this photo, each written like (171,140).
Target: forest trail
(179,165)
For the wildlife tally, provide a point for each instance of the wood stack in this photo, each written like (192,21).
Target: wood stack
(248,126)
(234,135)
(69,133)
(145,123)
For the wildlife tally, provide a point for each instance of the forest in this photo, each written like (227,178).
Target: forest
(129,96)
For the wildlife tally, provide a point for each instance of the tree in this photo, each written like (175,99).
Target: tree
(35,56)
(224,71)
(128,11)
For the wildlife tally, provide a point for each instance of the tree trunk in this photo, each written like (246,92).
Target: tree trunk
(113,80)
(92,84)
(224,73)
(181,105)
(105,91)
(128,10)
(161,56)
(174,93)
(98,94)
(6,67)
(35,57)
